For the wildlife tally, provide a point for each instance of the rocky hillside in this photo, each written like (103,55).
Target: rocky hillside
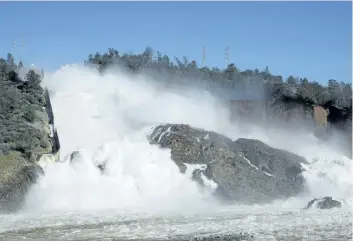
(27,133)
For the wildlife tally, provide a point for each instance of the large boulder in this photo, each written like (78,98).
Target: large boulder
(245,170)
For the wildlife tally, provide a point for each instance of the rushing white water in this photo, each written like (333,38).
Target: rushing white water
(108,117)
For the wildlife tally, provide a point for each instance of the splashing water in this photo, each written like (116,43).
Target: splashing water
(108,117)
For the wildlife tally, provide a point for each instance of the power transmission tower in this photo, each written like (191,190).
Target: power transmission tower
(226,56)
(22,46)
(13,47)
(204,57)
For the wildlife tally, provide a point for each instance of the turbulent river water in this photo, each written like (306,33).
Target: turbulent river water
(142,195)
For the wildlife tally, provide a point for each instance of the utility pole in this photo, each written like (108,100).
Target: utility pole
(204,57)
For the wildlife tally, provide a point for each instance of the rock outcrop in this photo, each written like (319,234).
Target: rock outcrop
(324,203)
(27,138)
(245,170)
(324,111)
(295,107)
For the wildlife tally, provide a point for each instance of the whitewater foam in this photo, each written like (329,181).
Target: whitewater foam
(107,118)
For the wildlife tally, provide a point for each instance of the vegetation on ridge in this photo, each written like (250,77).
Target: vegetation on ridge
(22,118)
(229,78)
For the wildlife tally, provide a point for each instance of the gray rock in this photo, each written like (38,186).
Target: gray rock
(291,115)
(291,107)
(293,93)
(324,203)
(245,170)
(295,102)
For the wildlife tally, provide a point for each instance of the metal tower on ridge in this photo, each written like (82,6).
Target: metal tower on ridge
(13,47)
(17,48)
(204,57)
(226,56)
(22,46)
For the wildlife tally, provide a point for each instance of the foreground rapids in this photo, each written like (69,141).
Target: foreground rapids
(242,223)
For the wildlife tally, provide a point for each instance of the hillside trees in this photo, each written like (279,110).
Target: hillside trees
(229,78)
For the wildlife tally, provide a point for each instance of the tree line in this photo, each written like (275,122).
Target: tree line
(184,70)
(230,77)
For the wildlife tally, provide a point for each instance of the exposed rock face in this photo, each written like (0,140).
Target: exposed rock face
(294,107)
(293,93)
(245,110)
(27,136)
(17,174)
(324,203)
(245,170)
(327,113)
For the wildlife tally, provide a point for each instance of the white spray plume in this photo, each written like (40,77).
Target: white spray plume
(108,117)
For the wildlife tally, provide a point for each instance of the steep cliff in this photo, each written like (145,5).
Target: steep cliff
(27,137)
(294,107)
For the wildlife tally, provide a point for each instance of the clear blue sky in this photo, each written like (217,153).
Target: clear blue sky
(307,39)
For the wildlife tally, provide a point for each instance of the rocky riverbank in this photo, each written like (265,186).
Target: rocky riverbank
(28,136)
